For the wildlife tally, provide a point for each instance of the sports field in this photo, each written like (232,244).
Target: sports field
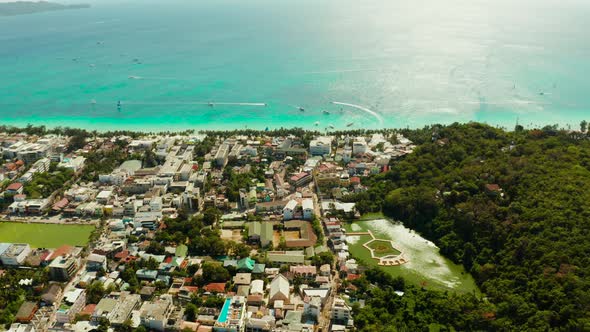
(45,235)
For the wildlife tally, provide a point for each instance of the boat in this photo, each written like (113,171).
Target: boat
(301,109)
(317,123)
(331,126)
(541,93)
(326,112)
(211,104)
(93,101)
(265,104)
(350,124)
(134,77)
(119,104)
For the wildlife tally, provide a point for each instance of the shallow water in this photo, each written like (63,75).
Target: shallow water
(385,62)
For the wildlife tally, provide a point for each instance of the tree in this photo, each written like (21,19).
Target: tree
(583,126)
(191,312)
(210,216)
(95,292)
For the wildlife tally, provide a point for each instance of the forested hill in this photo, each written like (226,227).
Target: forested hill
(512,207)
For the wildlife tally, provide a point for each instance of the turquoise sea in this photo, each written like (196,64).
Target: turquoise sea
(394,63)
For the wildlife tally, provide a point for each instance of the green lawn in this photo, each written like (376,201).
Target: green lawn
(45,235)
(383,248)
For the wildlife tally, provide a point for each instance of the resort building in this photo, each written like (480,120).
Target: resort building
(279,290)
(63,268)
(320,146)
(232,315)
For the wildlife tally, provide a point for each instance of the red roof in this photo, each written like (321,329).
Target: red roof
(88,310)
(351,277)
(215,287)
(355,179)
(14,186)
(62,203)
(493,187)
(61,251)
(122,254)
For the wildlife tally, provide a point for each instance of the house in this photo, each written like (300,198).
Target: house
(26,312)
(304,271)
(242,278)
(215,287)
(257,287)
(246,264)
(14,189)
(279,290)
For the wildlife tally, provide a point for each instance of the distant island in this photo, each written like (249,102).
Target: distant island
(30,7)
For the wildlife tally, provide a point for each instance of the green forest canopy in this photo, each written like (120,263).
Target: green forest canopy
(512,207)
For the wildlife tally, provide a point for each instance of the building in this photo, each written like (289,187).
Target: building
(116,307)
(18,327)
(260,232)
(154,314)
(279,290)
(221,155)
(320,146)
(341,312)
(359,147)
(308,211)
(63,268)
(290,209)
(15,188)
(232,315)
(16,254)
(95,262)
(73,302)
(265,323)
(26,312)
(300,179)
(286,257)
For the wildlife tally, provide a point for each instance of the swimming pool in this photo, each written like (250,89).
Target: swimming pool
(224,311)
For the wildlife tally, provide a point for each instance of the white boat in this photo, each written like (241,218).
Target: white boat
(350,124)
(93,102)
(331,126)
(301,109)
(317,123)
(326,112)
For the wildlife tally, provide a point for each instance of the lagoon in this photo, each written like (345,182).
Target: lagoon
(425,267)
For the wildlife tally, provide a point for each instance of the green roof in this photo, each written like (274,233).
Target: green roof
(258,268)
(246,264)
(181,251)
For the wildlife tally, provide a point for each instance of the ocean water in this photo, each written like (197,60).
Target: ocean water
(387,63)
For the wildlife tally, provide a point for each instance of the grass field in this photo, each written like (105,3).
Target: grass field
(425,267)
(45,235)
(383,248)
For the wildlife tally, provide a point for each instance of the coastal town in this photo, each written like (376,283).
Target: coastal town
(212,231)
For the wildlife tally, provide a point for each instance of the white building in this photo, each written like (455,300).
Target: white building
(154,314)
(341,312)
(73,301)
(16,254)
(289,210)
(308,210)
(320,146)
(359,147)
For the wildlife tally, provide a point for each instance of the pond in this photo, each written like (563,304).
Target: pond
(425,265)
